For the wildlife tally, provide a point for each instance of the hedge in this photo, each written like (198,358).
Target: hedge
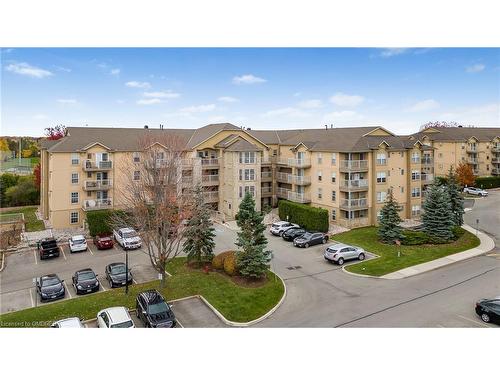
(487,182)
(99,222)
(310,218)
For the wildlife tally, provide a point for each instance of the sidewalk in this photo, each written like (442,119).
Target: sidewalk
(486,245)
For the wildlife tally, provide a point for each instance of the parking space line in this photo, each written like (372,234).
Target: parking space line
(102,286)
(67,289)
(34,254)
(474,321)
(64,255)
(31,298)
(88,247)
(133,280)
(179,322)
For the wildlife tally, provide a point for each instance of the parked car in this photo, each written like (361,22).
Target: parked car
(48,248)
(279,227)
(114,317)
(127,238)
(475,191)
(152,309)
(50,287)
(104,241)
(85,281)
(310,238)
(117,275)
(68,323)
(77,243)
(489,310)
(340,252)
(292,233)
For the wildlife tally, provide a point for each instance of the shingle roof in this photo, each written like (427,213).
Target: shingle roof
(243,145)
(462,134)
(207,131)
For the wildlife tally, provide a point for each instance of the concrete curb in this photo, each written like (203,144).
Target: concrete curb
(486,244)
(3,261)
(360,274)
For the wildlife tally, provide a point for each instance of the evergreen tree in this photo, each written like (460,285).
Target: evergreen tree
(199,232)
(389,229)
(437,217)
(456,200)
(253,260)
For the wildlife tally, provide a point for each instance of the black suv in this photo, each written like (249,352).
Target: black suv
(48,248)
(152,309)
(293,233)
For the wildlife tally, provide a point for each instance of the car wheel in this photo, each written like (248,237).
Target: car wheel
(110,284)
(324,241)
(306,245)
(485,317)
(361,256)
(340,261)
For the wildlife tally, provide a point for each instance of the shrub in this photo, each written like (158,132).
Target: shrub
(414,238)
(230,265)
(99,222)
(487,182)
(311,218)
(457,232)
(218,261)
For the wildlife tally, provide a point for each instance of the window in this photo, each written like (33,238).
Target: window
(381,159)
(74,197)
(137,175)
(402,189)
(241,192)
(381,177)
(381,195)
(415,175)
(334,195)
(334,159)
(320,193)
(89,156)
(320,175)
(137,157)
(320,158)
(415,210)
(74,178)
(415,157)
(415,192)
(89,194)
(247,157)
(440,155)
(334,214)
(402,171)
(250,189)
(334,177)
(73,217)
(75,159)
(247,174)
(275,152)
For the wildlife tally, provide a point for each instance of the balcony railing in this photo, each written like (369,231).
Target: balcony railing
(266,190)
(210,179)
(89,165)
(354,203)
(427,178)
(354,184)
(293,179)
(211,196)
(97,204)
(353,165)
(495,171)
(495,148)
(354,223)
(97,184)
(416,160)
(297,163)
(472,150)
(427,161)
(381,161)
(495,160)
(210,163)
(472,161)
(298,197)
(268,175)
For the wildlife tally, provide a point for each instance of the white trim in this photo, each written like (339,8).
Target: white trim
(95,144)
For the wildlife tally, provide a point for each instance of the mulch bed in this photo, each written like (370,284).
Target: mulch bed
(9,238)
(238,280)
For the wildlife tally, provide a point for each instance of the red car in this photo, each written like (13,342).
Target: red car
(103,241)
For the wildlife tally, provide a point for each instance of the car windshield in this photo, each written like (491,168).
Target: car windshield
(307,235)
(79,241)
(118,269)
(105,238)
(126,324)
(49,281)
(88,275)
(158,308)
(130,234)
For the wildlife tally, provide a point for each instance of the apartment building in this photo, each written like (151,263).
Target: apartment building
(347,171)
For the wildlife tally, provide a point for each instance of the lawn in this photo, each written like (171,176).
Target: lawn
(388,260)
(32,223)
(236,303)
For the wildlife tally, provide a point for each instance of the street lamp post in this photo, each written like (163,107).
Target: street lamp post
(126,271)
(477,226)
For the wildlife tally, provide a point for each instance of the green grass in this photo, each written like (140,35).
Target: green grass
(388,260)
(236,303)
(32,223)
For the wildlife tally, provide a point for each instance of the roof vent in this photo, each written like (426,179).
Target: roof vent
(326,127)
(331,126)
(249,128)
(146,127)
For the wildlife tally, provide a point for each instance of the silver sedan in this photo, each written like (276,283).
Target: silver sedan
(340,252)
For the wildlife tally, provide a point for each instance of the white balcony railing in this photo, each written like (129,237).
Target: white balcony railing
(298,197)
(354,164)
(266,175)
(354,203)
(210,178)
(427,177)
(211,196)
(98,184)
(293,178)
(354,223)
(97,204)
(354,184)
(209,162)
(266,190)
(89,165)
(297,163)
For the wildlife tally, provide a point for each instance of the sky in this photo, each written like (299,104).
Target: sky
(260,88)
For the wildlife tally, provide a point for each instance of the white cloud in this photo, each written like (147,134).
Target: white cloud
(227,99)
(67,101)
(389,52)
(287,111)
(40,116)
(169,94)
(149,101)
(28,70)
(115,72)
(247,79)
(63,69)
(345,100)
(311,104)
(424,105)
(482,115)
(198,108)
(138,85)
(476,68)
(216,119)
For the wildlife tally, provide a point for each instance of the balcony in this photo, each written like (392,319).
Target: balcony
(266,176)
(471,149)
(266,191)
(187,180)
(268,160)
(210,163)
(90,166)
(297,163)
(472,161)
(495,148)
(495,171)
(381,161)
(210,179)
(187,163)
(353,165)
(416,160)
(292,195)
(353,185)
(354,223)
(91,185)
(427,161)
(293,178)
(354,204)
(211,196)
(495,160)
(97,204)
(427,178)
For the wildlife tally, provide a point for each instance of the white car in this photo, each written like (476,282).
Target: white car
(340,252)
(68,323)
(279,227)
(114,317)
(127,238)
(475,191)
(77,243)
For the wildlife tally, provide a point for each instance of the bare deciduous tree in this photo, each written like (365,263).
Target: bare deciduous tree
(153,199)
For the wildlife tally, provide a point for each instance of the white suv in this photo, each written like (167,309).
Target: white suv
(77,243)
(127,238)
(114,317)
(475,191)
(279,227)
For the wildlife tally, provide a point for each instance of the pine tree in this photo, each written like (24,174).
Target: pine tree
(389,230)
(253,260)
(199,232)
(456,200)
(437,217)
